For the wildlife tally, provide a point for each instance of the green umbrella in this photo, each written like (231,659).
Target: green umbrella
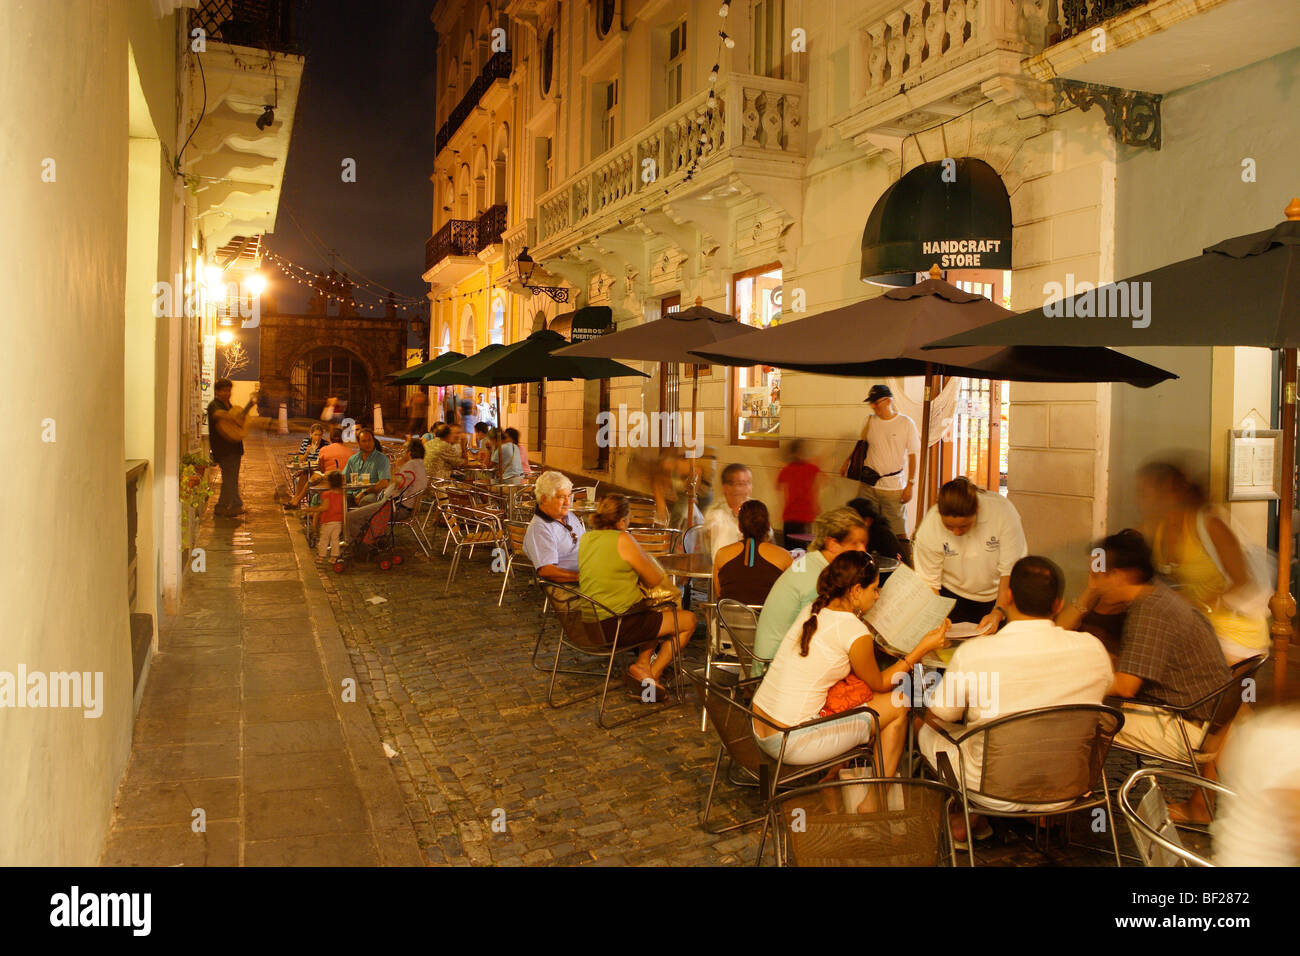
(451,372)
(414,375)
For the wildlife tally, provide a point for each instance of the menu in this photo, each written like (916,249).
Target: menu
(907,610)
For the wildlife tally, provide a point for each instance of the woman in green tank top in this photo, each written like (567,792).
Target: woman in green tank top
(611,569)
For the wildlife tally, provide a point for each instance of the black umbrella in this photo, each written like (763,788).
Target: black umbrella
(670,340)
(1242,291)
(884,336)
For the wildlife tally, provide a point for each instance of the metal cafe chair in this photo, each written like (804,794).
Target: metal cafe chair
(732,624)
(1153,832)
(515,554)
(1036,758)
(470,529)
(581,631)
(1225,701)
(411,520)
(726,700)
(641,511)
(907,827)
(655,542)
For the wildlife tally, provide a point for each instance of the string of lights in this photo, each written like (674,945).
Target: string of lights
(358,277)
(316,282)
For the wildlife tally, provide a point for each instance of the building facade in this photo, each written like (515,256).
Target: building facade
(645,161)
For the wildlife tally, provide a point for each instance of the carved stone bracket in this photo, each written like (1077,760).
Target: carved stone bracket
(1134,116)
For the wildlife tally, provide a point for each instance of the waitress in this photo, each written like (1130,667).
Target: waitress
(965,548)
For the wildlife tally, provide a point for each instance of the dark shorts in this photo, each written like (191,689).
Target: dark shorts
(967,611)
(637,627)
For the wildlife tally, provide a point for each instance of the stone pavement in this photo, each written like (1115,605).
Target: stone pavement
(243,716)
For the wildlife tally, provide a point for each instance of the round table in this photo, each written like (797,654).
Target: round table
(697,566)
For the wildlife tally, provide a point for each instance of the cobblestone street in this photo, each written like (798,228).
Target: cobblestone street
(245,716)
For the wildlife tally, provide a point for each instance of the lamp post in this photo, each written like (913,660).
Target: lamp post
(525,266)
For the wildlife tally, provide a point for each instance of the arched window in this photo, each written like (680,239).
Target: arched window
(548,61)
(604,17)
(497,323)
(468,338)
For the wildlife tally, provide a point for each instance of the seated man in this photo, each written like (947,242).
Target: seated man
(440,454)
(551,541)
(1029,663)
(370,464)
(721,521)
(880,539)
(408,482)
(1169,654)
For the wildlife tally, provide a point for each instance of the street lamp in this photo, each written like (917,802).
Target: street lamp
(525,266)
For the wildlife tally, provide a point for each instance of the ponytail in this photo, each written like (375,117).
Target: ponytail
(850,569)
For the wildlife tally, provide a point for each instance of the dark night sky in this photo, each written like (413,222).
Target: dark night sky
(367,93)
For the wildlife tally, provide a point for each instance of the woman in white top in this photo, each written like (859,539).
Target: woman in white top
(827,642)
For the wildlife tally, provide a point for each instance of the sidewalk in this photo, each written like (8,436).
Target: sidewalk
(244,716)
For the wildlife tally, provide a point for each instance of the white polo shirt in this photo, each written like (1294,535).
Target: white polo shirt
(1026,665)
(971,565)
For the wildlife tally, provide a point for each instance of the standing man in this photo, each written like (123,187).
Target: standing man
(419,413)
(893,445)
(227,450)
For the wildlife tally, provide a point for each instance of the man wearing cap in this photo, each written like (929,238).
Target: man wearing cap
(893,445)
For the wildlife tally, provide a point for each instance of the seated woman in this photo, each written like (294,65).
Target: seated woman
(611,569)
(745,571)
(1092,613)
(310,449)
(881,541)
(507,452)
(825,644)
(486,441)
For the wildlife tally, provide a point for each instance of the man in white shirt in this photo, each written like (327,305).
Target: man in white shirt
(1030,663)
(965,548)
(721,521)
(893,445)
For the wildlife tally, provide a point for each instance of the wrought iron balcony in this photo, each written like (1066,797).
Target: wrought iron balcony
(265,24)
(1079,16)
(490,226)
(459,237)
(497,67)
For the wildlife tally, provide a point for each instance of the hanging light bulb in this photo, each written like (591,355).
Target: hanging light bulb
(713,74)
(725,9)
(726,39)
(712,101)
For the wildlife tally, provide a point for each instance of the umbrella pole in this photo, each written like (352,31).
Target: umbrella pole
(1283,605)
(496,389)
(695,392)
(922,479)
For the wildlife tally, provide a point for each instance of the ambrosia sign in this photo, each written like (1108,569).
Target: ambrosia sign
(964,253)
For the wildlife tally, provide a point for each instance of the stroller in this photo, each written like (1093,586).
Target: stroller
(377,541)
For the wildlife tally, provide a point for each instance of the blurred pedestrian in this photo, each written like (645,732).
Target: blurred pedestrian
(798,482)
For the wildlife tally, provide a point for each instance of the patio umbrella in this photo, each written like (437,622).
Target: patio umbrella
(668,340)
(884,336)
(415,374)
(1241,291)
(530,360)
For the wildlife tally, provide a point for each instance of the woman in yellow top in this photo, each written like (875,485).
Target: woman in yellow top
(1197,551)
(612,568)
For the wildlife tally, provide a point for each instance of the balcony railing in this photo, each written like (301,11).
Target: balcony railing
(755,116)
(465,237)
(497,67)
(490,226)
(1079,16)
(265,24)
(459,237)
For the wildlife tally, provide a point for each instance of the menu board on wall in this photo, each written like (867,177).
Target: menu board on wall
(1254,464)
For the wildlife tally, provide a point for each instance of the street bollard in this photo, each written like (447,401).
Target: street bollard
(379,419)
(284,419)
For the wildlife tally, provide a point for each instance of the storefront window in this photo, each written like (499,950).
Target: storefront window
(756,391)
